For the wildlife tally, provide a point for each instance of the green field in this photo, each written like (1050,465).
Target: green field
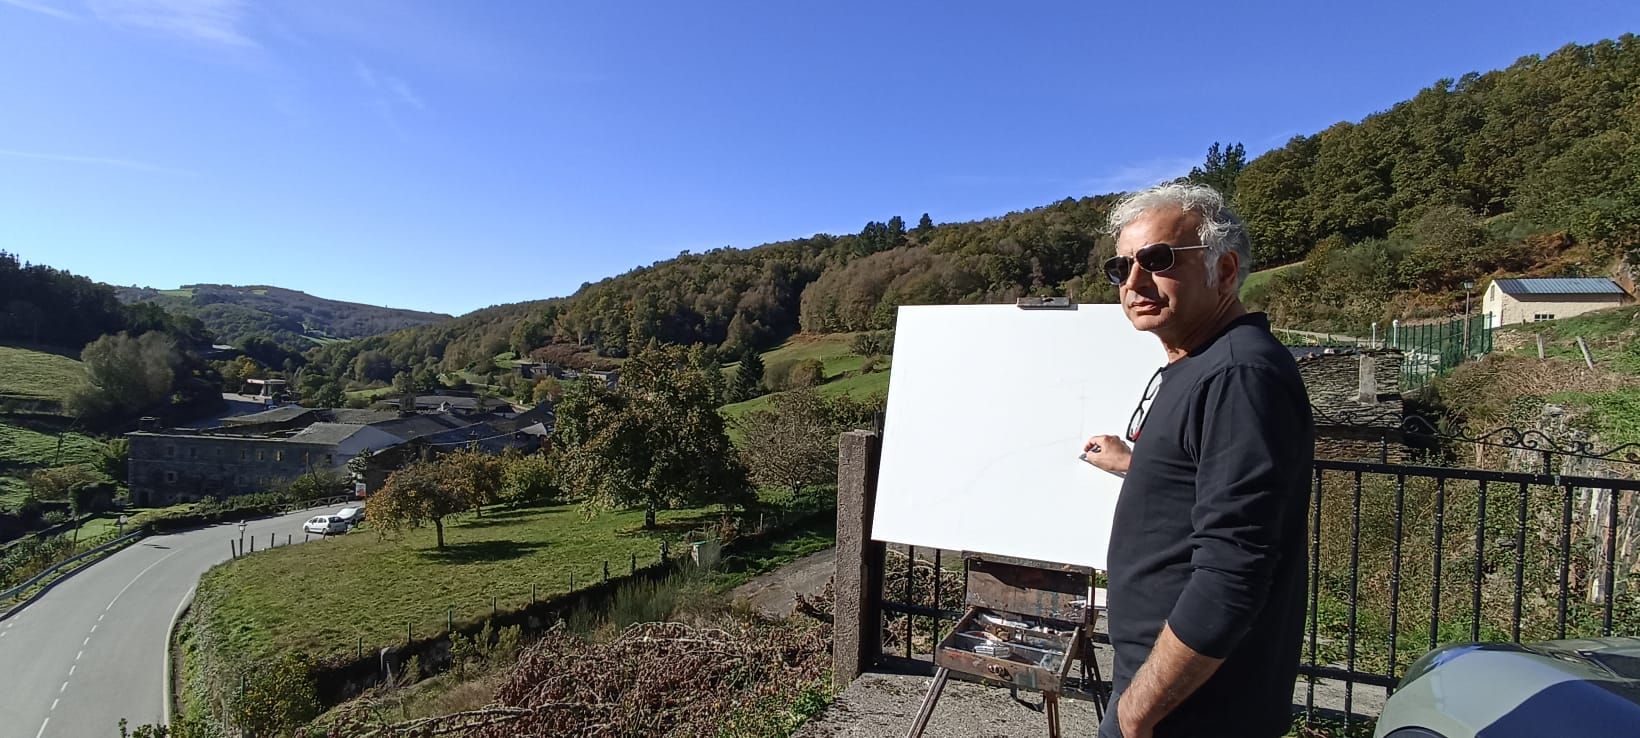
(834,350)
(320,598)
(26,374)
(1613,337)
(1257,280)
(23,450)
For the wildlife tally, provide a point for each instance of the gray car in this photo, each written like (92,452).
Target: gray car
(1571,688)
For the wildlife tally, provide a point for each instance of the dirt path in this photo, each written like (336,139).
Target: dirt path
(772,593)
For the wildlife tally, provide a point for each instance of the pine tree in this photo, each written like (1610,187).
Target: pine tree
(748,378)
(925,226)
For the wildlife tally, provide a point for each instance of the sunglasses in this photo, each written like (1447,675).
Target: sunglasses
(1136,424)
(1155,258)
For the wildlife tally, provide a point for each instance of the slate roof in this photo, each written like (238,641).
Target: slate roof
(417,426)
(276,415)
(1560,286)
(326,433)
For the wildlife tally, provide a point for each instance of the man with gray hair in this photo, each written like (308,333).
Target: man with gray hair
(1207,557)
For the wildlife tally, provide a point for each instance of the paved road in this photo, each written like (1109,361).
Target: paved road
(93,649)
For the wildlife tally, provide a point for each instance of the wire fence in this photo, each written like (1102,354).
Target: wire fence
(1434,348)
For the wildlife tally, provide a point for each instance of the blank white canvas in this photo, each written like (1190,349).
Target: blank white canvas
(988,409)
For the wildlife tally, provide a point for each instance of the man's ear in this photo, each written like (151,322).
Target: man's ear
(1228,266)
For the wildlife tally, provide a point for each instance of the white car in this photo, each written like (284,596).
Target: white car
(325,525)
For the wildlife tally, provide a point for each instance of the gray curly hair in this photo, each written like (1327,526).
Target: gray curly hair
(1220,231)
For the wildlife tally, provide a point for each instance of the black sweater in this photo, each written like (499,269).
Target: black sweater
(1209,534)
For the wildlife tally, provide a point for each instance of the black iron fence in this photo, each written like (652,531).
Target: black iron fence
(1403,558)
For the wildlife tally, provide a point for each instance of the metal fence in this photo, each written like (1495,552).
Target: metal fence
(1434,348)
(1404,558)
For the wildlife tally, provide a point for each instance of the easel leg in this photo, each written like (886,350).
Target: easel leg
(927,709)
(1050,705)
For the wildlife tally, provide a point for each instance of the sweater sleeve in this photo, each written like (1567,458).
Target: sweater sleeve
(1248,430)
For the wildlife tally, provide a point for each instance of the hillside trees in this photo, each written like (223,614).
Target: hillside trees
(1550,137)
(1222,168)
(656,442)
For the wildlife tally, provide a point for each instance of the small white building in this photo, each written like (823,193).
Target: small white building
(1509,301)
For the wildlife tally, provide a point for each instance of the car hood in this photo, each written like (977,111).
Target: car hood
(1505,690)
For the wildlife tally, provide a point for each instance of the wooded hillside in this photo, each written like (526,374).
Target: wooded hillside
(1530,169)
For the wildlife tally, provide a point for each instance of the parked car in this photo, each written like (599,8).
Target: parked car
(325,525)
(1573,688)
(351,515)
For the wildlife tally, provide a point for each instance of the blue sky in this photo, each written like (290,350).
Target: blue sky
(451,155)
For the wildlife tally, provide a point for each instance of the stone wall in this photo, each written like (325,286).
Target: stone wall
(1357,399)
(167,468)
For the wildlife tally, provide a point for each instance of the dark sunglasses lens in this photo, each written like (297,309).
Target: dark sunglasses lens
(1155,257)
(1117,269)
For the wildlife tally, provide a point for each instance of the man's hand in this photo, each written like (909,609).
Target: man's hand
(1107,452)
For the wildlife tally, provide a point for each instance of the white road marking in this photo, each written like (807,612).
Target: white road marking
(72,668)
(86,642)
(139,576)
(93,628)
(43,728)
(103,615)
(63,688)
(78,655)
(2,634)
(53,706)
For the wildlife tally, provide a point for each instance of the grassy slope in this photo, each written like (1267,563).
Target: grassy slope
(37,375)
(33,376)
(1613,337)
(834,350)
(1257,280)
(321,597)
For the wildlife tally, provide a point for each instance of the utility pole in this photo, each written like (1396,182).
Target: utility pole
(1468,288)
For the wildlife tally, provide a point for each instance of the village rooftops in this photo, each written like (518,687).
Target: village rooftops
(1560,286)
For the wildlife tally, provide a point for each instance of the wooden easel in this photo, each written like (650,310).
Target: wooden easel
(1005,587)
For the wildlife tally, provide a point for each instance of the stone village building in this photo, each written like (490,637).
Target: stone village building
(262,451)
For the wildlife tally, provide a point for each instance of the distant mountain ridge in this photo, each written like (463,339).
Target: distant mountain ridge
(291,318)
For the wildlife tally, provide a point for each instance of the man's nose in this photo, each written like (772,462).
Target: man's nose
(1137,277)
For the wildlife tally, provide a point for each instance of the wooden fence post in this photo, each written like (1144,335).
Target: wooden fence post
(857,581)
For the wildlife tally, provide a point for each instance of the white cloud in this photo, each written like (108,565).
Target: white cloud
(1129,177)
(386,93)
(217,22)
(44,8)
(94,160)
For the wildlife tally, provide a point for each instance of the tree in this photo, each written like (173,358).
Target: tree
(277,698)
(58,483)
(748,378)
(925,226)
(656,442)
(528,478)
(125,374)
(546,389)
(806,373)
(793,443)
(115,459)
(1222,168)
(478,476)
(330,395)
(416,495)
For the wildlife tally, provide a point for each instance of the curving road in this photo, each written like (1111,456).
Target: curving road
(92,650)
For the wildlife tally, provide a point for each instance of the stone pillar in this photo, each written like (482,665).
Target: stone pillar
(858,578)
(1367,381)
